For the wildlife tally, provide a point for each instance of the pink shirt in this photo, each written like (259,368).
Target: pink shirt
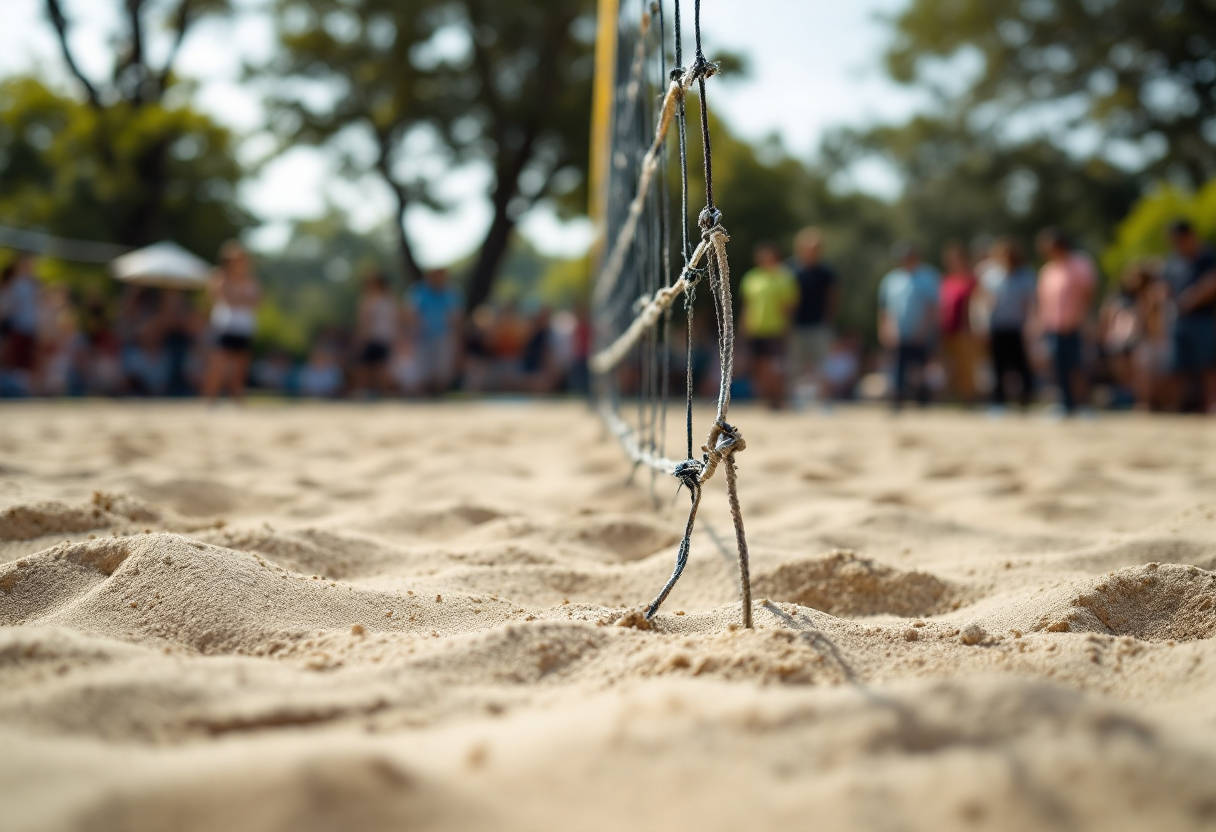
(1065,287)
(955,296)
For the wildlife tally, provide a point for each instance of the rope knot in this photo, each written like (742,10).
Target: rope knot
(688,473)
(702,68)
(730,440)
(693,277)
(709,219)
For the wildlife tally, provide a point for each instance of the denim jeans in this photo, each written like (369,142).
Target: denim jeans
(1065,349)
(910,358)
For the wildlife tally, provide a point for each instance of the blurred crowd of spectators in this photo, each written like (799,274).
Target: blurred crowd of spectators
(988,325)
(164,342)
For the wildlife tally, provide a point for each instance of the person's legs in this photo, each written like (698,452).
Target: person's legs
(1002,365)
(238,369)
(1192,356)
(918,362)
(799,359)
(1078,379)
(901,376)
(1204,336)
(1020,362)
(960,370)
(1061,362)
(966,367)
(217,368)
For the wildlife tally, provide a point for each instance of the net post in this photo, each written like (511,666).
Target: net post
(601,118)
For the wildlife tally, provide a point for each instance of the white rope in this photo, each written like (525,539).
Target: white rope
(612,355)
(650,162)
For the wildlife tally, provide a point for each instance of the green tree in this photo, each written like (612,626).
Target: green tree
(130,153)
(1142,235)
(81,171)
(959,181)
(1139,71)
(504,84)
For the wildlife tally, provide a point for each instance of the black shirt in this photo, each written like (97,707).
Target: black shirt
(815,285)
(1182,273)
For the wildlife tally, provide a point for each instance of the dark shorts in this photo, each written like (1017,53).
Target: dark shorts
(232,342)
(1194,345)
(767,347)
(21,350)
(374,354)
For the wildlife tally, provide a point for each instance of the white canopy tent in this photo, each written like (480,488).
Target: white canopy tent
(164,265)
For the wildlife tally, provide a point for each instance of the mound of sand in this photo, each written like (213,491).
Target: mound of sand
(844,584)
(171,589)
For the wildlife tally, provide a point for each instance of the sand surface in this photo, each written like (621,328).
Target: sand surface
(409,617)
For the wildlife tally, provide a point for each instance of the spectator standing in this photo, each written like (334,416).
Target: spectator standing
(1008,286)
(1150,356)
(375,335)
(907,317)
(958,342)
(508,337)
(1067,284)
(58,343)
(235,295)
(537,363)
(179,328)
(770,296)
(22,300)
(436,308)
(1190,273)
(818,301)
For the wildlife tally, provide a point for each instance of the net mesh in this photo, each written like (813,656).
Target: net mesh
(638,285)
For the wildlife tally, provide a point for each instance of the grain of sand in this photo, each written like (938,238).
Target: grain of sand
(338,617)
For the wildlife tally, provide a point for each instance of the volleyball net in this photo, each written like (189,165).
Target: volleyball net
(654,256)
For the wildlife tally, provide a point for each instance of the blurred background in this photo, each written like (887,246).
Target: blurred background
(358,145)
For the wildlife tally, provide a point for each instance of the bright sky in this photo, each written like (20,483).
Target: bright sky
(815,65)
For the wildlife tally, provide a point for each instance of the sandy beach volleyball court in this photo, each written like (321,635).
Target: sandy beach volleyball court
(407,617)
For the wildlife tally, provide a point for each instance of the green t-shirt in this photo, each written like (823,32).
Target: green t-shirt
(769,295)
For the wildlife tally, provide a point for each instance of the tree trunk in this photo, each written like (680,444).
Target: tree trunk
(489,258)
(146,224)
(410,270)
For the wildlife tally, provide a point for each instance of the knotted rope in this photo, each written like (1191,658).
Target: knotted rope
(724,440)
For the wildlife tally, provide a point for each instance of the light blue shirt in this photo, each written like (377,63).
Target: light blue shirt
(910,298)
(1012,297)
(435,308)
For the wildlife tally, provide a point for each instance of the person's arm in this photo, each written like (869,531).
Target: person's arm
(741,327)
(832,302)
(1032,327)
(1203,291)
(792,298)
(887,333)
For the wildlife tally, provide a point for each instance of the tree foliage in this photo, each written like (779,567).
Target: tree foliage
(130,153)
(1143,71)
(444,82)
(76,170)
(1142,235)
(960,181)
